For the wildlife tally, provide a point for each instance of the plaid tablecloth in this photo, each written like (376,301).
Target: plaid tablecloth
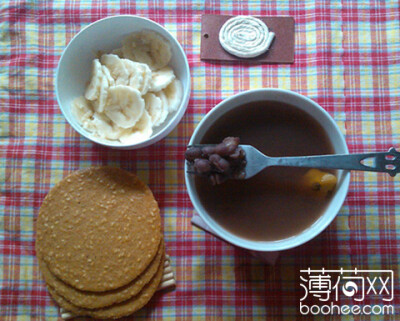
(347,58)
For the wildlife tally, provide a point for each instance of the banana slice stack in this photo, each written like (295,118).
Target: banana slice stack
(132,90)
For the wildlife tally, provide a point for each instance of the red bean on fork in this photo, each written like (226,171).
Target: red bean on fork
(222,149)
(192,153)
(231,143)
(208,150)
(202,166)
(220,162)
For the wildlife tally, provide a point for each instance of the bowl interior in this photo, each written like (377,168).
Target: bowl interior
(335,136)
(74,69)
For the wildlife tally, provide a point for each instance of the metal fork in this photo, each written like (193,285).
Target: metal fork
(385,162)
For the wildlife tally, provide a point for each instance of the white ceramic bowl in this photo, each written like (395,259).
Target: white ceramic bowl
(338,143)
(74,69)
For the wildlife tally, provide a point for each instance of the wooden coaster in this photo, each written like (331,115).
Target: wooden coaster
(280,52)
(167,282)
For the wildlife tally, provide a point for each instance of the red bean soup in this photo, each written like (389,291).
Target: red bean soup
(268,206)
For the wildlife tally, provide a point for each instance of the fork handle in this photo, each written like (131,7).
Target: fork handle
(385,162)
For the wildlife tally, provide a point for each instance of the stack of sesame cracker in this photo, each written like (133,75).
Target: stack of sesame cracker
(99,243)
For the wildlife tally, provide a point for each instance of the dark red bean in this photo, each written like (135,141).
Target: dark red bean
(202,166)
(214,158)
(192,153)
(222,150)
(231,140)
(232,143)
(208,150)
(237,154)
(220,163)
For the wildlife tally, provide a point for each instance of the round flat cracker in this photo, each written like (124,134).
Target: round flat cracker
(98,229)
(120,309)
(96,300)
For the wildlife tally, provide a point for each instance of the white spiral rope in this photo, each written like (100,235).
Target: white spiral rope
(245,36)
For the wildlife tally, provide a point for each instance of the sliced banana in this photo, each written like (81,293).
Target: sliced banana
(102,127)
(153,105)
(81,109)
(125,106)
(132,90)
(92,91)
(164,106)
(107,75)
(146,72)
(140,132)
(139,75)
(174,93)
(100,103)
(147,47)
(117,68)
(161,79)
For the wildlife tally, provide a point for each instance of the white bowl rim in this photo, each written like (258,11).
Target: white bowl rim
(161,134)
(290,242)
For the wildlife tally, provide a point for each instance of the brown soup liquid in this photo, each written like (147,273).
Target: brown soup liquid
(268,206)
